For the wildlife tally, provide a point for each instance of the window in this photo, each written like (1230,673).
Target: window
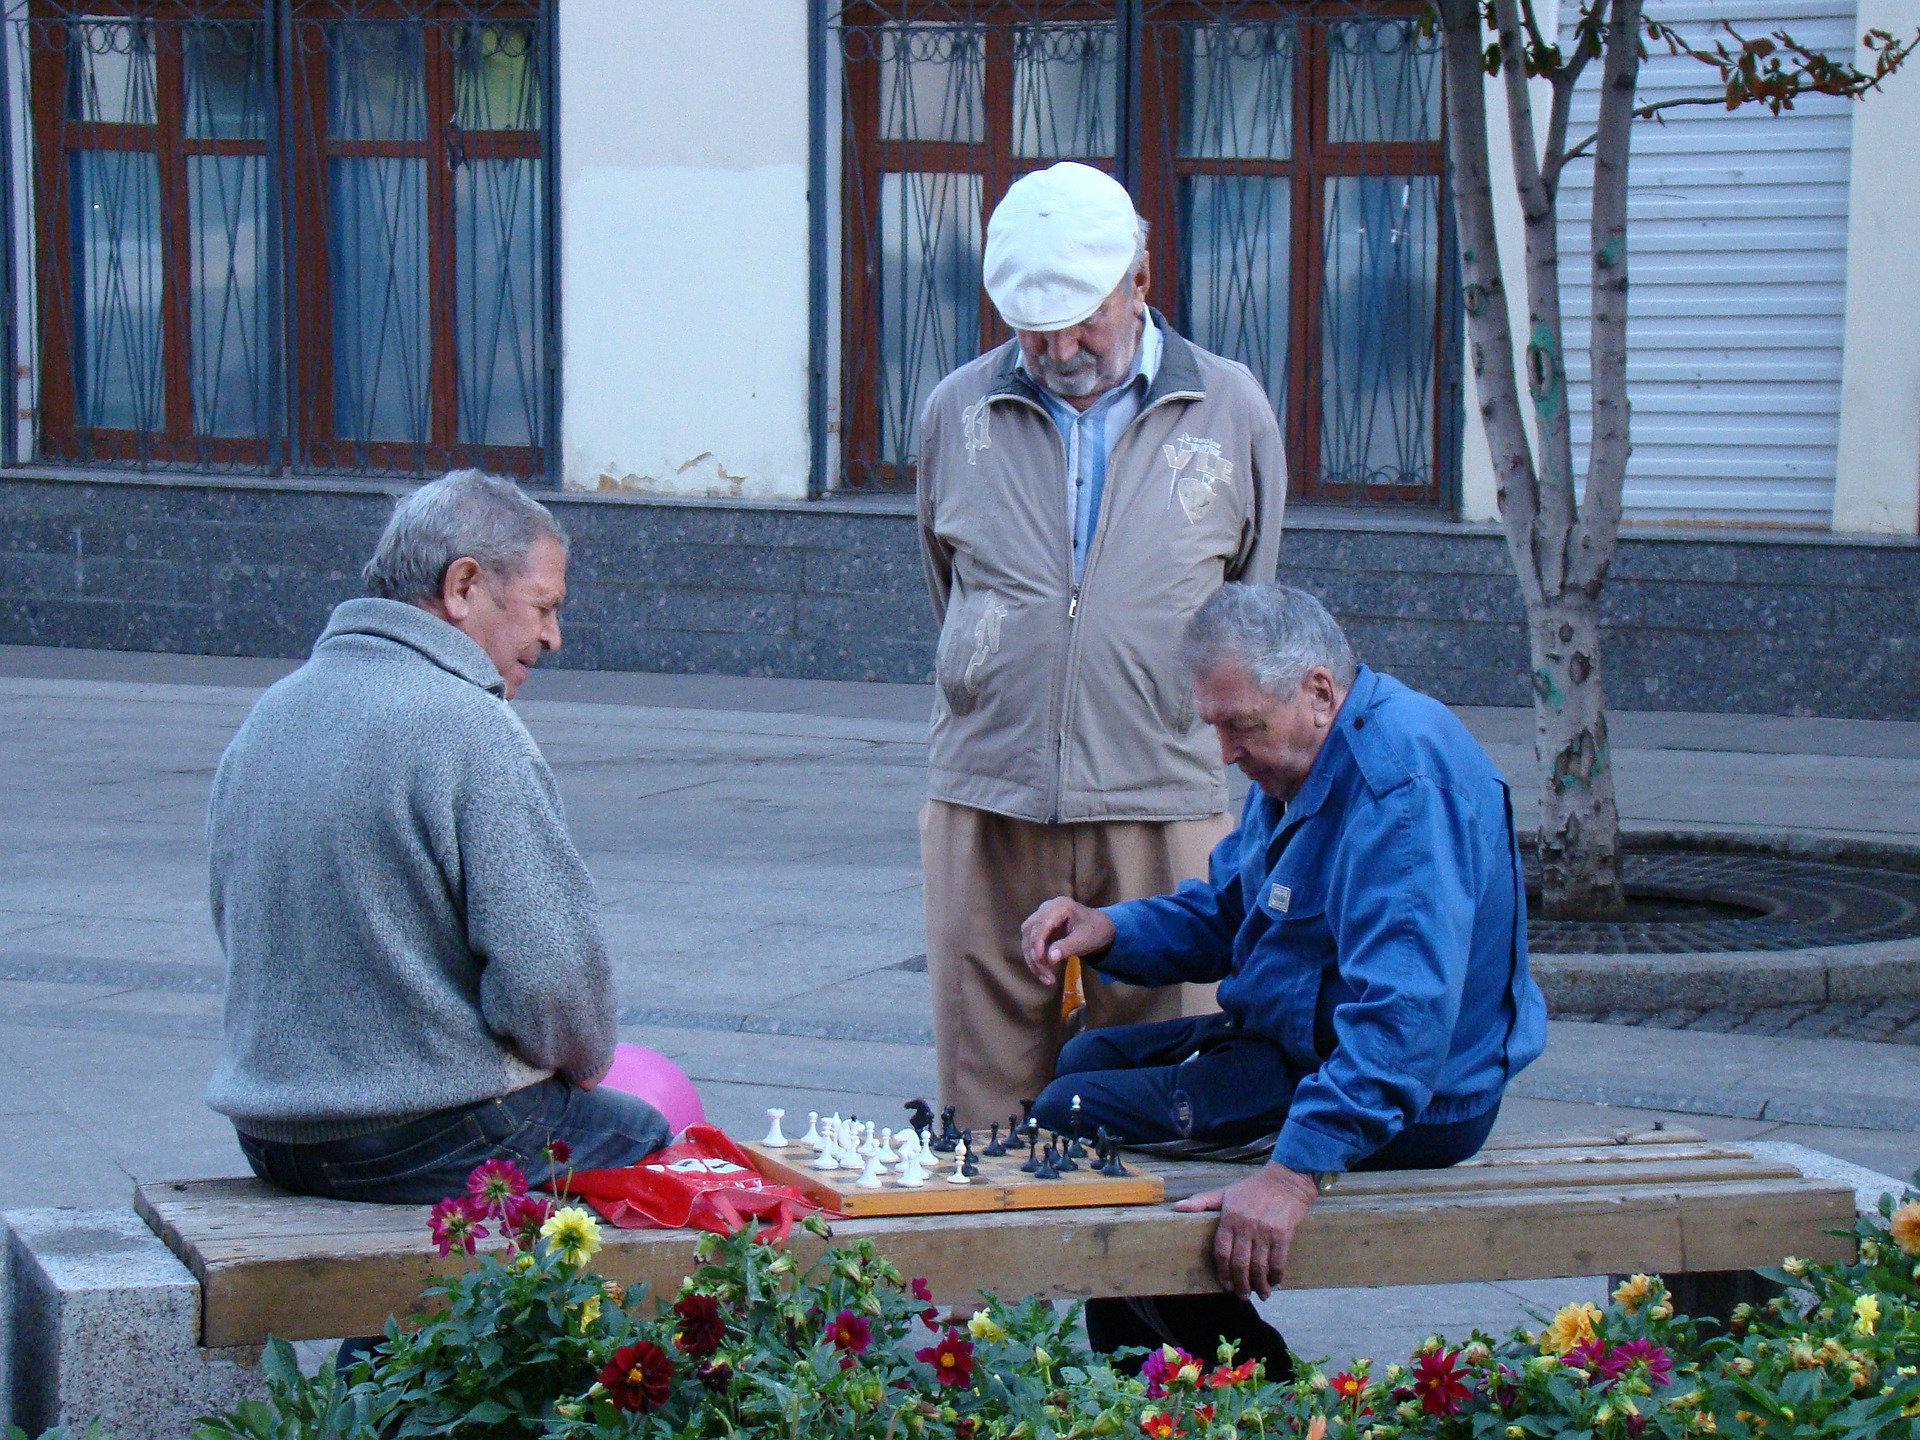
(304,235)
(1288,156)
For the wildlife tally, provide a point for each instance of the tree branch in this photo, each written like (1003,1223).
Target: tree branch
(1586,45)
(1591,545)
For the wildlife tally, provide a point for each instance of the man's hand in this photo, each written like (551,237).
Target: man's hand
(1258,1216)
(1059,929)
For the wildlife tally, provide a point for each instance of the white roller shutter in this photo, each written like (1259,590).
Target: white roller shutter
(1737,250)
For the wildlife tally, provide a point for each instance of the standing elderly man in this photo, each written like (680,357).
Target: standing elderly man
(1083,489)
(1368,927)
(416,978)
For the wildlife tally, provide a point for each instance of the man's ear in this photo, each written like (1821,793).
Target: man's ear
(1325,694)
(457,587)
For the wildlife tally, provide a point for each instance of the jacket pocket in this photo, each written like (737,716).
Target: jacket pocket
(969,648)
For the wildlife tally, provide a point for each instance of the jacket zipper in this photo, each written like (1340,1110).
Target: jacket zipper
(1086,576)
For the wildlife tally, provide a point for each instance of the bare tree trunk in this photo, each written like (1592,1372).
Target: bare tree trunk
(1560,554)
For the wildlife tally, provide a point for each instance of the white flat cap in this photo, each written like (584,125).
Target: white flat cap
(1057,245)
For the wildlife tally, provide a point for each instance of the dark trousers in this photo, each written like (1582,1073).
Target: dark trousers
(1205,1079)
(423,1161)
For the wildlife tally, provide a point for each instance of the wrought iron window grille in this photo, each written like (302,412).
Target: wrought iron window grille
(1287,155)
(277,236)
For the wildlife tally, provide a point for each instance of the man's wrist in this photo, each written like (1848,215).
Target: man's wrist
(1305,1187)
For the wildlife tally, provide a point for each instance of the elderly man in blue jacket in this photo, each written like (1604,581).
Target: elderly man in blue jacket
(1367,926)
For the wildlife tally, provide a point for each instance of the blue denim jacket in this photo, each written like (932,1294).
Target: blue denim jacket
(1375,929)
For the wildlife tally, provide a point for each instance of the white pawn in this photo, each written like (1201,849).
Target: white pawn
(775,1139)
(812,1138)
(913,1170)
(829,1156)
(870,1177)
(959,1175)
(887,1154)
(909,1147)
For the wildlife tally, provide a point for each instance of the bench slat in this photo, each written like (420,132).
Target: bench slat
(351,1270)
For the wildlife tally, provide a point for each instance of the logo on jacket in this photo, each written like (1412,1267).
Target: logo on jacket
(986,641)
(1280,897)
(1200,471)
(974,419)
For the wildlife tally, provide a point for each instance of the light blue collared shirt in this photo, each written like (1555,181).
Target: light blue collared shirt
(1090,435)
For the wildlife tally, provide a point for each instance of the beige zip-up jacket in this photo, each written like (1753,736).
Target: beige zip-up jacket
(1061,702)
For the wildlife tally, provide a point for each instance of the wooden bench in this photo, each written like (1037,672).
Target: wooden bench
(1659,1200)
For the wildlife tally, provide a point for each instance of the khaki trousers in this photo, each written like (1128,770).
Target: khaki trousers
(997,1029)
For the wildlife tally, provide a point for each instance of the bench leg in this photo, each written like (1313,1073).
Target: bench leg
(100,1321)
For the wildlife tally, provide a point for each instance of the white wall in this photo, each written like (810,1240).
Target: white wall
(683,212)
(1877,485)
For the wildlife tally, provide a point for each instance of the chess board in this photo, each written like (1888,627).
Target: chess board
(1000,1185)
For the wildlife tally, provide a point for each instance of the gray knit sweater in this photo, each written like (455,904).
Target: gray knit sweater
(407,925)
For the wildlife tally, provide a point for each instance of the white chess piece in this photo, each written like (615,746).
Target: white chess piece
(870,1176)
(775,1139)
(909,1147)
(812,1138)
(829,1156)
(959,1175)
(887,1153)
(913,1170)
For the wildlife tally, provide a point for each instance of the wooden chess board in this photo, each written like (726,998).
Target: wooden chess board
(1000,1185)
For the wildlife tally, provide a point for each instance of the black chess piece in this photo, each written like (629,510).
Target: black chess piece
(948,1140)
(1026,1113)
(969,1166)
(1033,1162)
(1049,1165)
(919,1115)
(994,1148)
(1076,1148)
(1110,1153)
(1063,1154)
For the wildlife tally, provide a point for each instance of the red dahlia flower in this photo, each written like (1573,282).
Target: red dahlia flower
(1348,1385)
(1158,1425)
(455,1224)
(1438,1384)
(638,1377)
(559,1152)
(850,1332)
(496,1185)
(951,1359)
(1227,1376)
(701,1328)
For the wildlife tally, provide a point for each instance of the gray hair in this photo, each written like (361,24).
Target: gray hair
(464,512)
(1277,632)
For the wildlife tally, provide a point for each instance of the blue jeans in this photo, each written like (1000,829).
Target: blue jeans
(1203,1078)
(423,1161)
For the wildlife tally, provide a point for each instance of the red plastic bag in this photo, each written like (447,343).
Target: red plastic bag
(703,1181)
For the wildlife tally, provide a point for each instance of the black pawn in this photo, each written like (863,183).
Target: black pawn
(948,1140)
(1049,1165)
(1063,1157)
(1033,1163)
(994,1148)
(968,1165)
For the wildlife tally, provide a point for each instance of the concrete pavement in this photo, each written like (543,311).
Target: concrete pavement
(754,843)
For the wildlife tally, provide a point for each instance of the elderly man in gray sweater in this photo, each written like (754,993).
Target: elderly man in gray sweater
(416,976)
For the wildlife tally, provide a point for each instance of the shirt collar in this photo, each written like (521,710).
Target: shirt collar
(1146,365)
(1313,790)
(453,650)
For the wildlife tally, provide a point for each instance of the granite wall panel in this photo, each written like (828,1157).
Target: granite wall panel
(1753,621)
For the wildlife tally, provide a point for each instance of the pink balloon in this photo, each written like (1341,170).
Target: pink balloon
(657,1080)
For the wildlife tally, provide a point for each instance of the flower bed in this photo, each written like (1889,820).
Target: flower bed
(530,1342)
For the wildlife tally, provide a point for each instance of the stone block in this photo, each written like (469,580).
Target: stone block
(102,1322)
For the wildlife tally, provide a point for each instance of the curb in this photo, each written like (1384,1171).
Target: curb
(1875,970)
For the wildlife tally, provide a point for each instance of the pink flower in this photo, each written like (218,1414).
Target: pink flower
(1438,1383)
(455,1224)
(951,1359)
(1658,1361)
(496,1185)
(525,1215)
(1167,1366)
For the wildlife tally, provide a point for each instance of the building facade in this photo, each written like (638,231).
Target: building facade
(694,269)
